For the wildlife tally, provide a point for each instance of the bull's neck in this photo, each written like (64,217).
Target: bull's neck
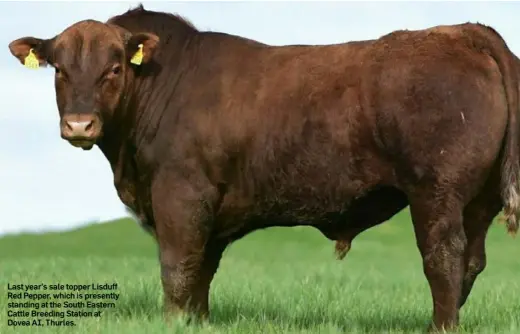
(129,135)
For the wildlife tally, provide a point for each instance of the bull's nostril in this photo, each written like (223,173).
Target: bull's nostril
(89,126)
(69,126)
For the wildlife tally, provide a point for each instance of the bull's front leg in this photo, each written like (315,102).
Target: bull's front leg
(184,210)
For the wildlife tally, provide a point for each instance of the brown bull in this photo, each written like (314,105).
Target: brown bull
(211,136)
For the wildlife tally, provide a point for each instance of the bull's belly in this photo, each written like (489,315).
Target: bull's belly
(315,192)
(239,214)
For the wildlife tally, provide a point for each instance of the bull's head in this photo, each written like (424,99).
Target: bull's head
(93,63)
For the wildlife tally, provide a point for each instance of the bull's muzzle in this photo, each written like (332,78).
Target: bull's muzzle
(81,130)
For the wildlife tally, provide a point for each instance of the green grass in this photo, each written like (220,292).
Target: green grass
(272,281)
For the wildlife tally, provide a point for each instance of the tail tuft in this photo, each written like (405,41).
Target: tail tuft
(511,209)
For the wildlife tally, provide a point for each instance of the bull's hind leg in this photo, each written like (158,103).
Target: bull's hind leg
(438,224)
(478,217)
(200,291)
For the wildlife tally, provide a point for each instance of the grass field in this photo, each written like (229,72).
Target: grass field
(275,280)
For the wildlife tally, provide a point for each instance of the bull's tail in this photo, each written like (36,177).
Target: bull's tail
(493,43)
(510,173)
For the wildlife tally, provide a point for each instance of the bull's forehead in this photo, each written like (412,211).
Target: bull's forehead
(88,46)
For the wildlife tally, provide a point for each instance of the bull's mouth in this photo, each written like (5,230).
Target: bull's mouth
(85,144)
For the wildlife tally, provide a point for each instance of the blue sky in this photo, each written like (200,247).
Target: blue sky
(46,184)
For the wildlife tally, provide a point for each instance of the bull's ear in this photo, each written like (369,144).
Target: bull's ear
(31,52)
(140,47)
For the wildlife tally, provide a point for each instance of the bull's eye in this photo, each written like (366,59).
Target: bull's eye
(57,70)
(116,69)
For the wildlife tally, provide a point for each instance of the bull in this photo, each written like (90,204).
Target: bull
(211,136)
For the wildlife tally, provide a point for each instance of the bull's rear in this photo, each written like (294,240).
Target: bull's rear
(446,102)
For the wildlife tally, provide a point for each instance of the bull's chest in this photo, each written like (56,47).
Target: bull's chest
(133,190)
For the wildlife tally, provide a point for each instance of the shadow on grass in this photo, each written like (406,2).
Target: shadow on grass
(371,322)
(147,305)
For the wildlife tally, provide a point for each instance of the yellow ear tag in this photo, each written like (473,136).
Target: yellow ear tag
(138,56)
(31,61)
